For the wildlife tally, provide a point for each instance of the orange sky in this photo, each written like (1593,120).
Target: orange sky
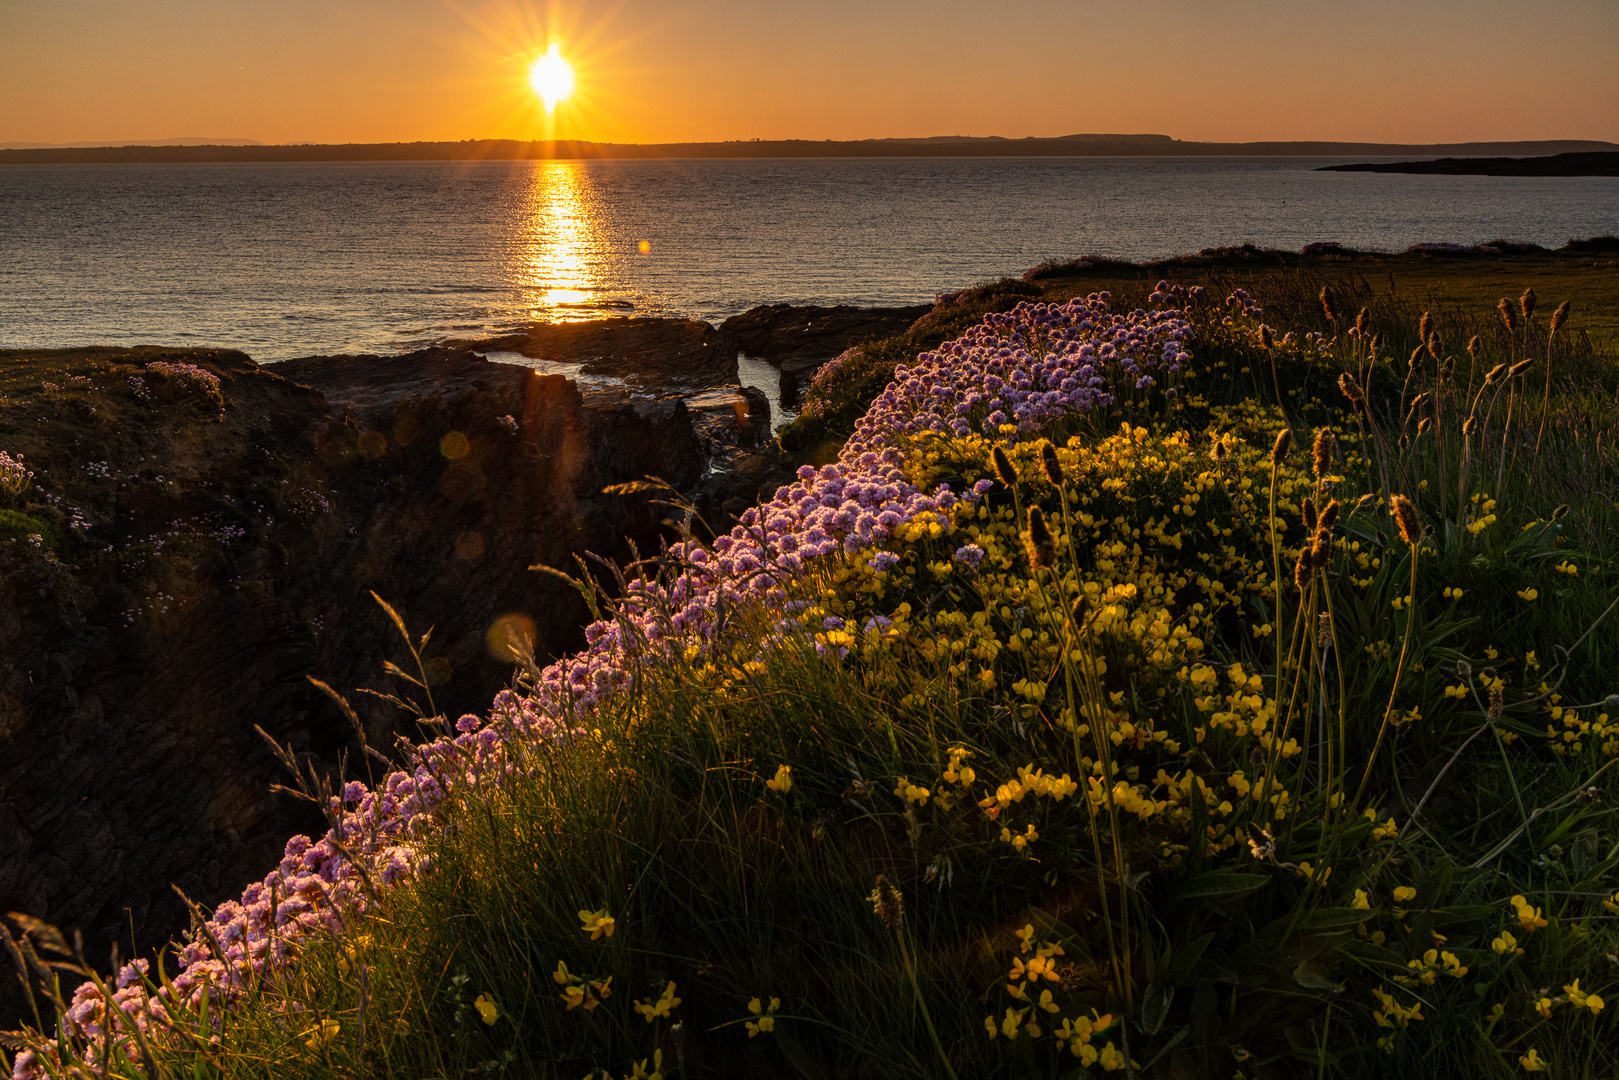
(656,70)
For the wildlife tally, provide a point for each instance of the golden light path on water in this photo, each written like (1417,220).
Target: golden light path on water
(558,233)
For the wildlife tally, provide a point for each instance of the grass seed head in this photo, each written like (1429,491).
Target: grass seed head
(1404,512)
(1329,515)
(1321,548)
(1495,374)
(1351,388)
(1003,467)
(1557,515)
(1323,630)
(1328,305)
(1519,368)
(1081,609)
(1497,702)
(1447,368)
(1279,449)
(1527,303)
(1469,424)
(1321,451)
(1266,337)
(1308,507)
(1425,326)
(1361,320)
(1560,316)
(1509,315)
(1053,467)
(1424,424)
(1303,570)
(1365,502)
(1416,355)
(1473,346)
(1042,547)
(1435,347)
(888,903)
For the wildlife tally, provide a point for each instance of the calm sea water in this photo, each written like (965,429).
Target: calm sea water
(294,260)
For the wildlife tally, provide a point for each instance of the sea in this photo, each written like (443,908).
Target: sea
(287,260)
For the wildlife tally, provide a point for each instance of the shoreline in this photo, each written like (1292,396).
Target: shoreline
(565,150)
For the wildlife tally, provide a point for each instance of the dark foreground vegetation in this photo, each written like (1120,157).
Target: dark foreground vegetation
(1256,720)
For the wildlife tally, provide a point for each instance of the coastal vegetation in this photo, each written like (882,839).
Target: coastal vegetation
(1199,676)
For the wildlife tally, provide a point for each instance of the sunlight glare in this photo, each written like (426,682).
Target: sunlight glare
(551,78)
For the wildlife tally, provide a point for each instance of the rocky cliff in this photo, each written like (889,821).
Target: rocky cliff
(202,537)
(189,554)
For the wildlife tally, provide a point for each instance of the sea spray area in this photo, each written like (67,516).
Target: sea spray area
(1117,642)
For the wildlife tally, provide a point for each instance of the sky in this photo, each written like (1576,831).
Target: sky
(294,71)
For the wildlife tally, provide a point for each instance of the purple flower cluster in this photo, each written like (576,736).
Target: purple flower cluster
(13,476)
(186,373)
(1025,367)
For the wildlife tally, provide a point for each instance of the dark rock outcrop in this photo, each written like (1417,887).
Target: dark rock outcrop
(666,355)
(206,565)
(798,340)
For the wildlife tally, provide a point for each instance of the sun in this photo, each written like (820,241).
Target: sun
(551,78)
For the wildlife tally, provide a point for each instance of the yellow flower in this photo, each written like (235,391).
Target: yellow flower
(321,1035)
(766,1015)
(597,924)
(486,1009)
(1382,831)
(1532,1062)
(1506,943)
(911,793)
(1528,594)
(1403,893)
(782,783)
(1528,916)
(652,1010)
(1595,1003)
(1362,901)
(1012,1022)
(639,1069)
(1111,1059)
(1544,1007)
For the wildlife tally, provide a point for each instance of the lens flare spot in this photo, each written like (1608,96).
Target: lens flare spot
(454,446)
(510,637)
(644,247)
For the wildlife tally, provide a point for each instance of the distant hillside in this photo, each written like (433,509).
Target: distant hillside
(938,146)
(191,141)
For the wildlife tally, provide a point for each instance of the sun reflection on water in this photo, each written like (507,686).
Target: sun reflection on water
(553,260)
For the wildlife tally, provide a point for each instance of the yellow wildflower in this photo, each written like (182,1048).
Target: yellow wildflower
(487,1012)
(652,1010)
(597,924)
(782,782)
(320,1035)
(766,1015)
(1532,1061)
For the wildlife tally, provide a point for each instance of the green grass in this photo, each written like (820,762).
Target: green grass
(1205,959)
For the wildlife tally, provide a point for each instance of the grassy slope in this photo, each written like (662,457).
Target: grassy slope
(735,891)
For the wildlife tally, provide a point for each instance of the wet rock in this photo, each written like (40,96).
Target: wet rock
(660,355)
(799,339)
(731,416)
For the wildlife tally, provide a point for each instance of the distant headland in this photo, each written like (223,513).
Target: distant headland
(1586,164)
(939,146)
